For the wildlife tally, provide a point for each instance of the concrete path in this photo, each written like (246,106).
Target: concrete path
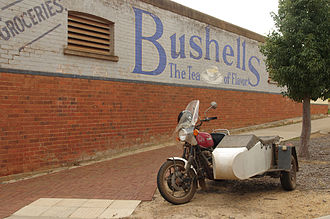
(46,208)
(294,130)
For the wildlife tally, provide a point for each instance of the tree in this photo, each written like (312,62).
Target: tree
(297,55)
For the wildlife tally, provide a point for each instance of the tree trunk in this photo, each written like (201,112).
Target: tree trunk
(306,129)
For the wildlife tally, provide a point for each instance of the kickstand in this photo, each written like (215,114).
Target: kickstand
(202,184)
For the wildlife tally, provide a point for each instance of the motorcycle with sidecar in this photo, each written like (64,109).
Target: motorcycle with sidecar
(221,156)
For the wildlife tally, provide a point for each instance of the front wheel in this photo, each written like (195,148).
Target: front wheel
(288,179)
(173,185)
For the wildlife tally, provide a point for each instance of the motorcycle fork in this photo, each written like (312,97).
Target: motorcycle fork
(187,168)
(184,152)
(200,168)
(190,160)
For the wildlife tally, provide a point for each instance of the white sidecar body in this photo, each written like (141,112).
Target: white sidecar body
(243,156)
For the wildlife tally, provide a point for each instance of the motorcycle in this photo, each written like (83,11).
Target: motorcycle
(219,155)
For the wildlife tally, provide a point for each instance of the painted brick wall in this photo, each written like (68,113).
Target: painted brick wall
(54,121)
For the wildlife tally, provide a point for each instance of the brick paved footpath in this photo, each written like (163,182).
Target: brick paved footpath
(127,178)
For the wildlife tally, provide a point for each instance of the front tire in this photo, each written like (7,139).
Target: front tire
(288,179)
(173,185)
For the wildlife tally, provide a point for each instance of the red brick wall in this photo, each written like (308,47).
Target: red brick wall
(52,121)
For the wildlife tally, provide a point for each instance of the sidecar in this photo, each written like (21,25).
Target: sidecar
(245,156)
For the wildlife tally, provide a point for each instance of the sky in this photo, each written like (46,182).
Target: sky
(253,15)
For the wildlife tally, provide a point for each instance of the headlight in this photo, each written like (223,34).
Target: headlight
(183,134)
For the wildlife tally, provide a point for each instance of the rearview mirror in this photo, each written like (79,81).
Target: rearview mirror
(214,105)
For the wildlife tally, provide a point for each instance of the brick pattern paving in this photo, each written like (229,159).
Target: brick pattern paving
(128,178)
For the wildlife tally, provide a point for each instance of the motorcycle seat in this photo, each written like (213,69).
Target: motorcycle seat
(217,137)
(238,141)
(267,140)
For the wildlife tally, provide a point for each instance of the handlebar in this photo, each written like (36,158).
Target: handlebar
(209,119)
(205,120)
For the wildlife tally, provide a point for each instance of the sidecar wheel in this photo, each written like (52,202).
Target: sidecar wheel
(173,186)
(288,179)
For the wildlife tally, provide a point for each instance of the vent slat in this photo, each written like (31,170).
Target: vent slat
(88,33)
(88,38)
(87,27)
(88,21)
(84,43)
(86,49)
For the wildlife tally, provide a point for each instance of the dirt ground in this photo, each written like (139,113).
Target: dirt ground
(258,198)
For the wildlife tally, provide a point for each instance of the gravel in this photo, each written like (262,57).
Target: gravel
(314,173)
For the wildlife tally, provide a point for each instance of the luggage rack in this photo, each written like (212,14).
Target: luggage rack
(221,130)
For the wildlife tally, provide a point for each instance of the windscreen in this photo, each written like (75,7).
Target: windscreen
(189,116)
(188,120)
(193,108)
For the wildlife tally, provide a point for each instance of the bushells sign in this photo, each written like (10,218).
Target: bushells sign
(196,52)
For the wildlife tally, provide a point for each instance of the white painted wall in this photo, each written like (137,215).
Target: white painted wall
(44,52)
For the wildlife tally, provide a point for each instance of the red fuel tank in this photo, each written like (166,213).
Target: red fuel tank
(204,139)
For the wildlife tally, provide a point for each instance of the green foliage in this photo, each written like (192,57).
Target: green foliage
(297,52)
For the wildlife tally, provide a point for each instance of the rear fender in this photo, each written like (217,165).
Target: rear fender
(284,157)
(294,154)
(183,160)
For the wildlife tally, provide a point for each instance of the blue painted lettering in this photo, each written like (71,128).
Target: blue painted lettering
(181,53)
(196,47)
(226,53)
(193,75)
(236,80)
(226,78)
(176,73)
(208,43)
(243,45)
(153,39)
(254,71)
(183,74)
(238,64)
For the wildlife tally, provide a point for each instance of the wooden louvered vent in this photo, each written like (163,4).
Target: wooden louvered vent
(89,34)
